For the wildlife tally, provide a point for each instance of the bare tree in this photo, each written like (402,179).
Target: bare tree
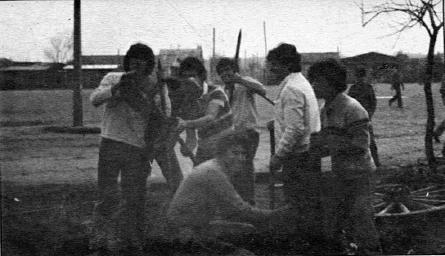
(61,49)
(422,13)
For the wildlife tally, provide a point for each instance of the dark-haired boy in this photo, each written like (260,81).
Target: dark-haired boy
(241,91)
(209,116)
(129,101)
(346,134)
(296,118)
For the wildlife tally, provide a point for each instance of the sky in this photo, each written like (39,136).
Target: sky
(109,27)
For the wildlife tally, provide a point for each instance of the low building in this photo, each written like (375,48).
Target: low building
(94,68)
(378,65)
(171,58)
(309,58)
(31,75)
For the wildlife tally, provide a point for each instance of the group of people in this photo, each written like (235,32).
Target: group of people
(144,115)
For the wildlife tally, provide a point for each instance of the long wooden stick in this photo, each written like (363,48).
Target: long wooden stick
(270,127)
(238,46)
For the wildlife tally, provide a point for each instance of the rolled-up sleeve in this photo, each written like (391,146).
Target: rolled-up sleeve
(295,125)
(103,92)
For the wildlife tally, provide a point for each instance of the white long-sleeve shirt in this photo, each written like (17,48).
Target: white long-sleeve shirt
(296,115)
(120,122)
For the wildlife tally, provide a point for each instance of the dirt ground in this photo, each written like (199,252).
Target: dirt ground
(48,179)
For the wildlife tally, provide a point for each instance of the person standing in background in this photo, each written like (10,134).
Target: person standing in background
(441,127)
(364,93)
(397,86)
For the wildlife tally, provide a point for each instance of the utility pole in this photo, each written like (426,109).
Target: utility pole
(77,86)
(212,62)
(443,31)
(265,52)
(214,36)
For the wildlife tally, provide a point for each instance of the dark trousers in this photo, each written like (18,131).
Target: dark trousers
(354,214)
(438,132)
(244,182)
(373,146)
(398,97)
(302,190)
(130,162)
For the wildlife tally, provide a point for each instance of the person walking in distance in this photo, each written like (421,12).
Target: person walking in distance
(397,85)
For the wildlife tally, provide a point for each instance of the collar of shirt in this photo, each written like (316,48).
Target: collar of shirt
(205,88)
(286,79)
(334,104)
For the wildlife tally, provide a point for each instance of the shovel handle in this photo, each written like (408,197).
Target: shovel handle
(270,127)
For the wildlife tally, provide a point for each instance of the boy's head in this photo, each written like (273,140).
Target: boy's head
(226,68)
(283,60)
(328,78)
(192,67)
(139,58)
(231,148)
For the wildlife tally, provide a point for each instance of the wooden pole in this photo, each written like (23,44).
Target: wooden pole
(77,87)
(212,62)
(214,36)
(265,52)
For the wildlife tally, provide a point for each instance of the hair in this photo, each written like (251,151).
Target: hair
(230,138)
(360,72)
(287,55)
(330,69)
(224,63)
(193,63)
(141,52)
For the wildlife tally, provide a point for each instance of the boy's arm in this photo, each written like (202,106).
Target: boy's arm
(210,116)
(231,203)
(107,90)
(252,84)
(293,104)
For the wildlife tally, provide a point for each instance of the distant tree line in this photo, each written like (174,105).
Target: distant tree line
(413,69)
